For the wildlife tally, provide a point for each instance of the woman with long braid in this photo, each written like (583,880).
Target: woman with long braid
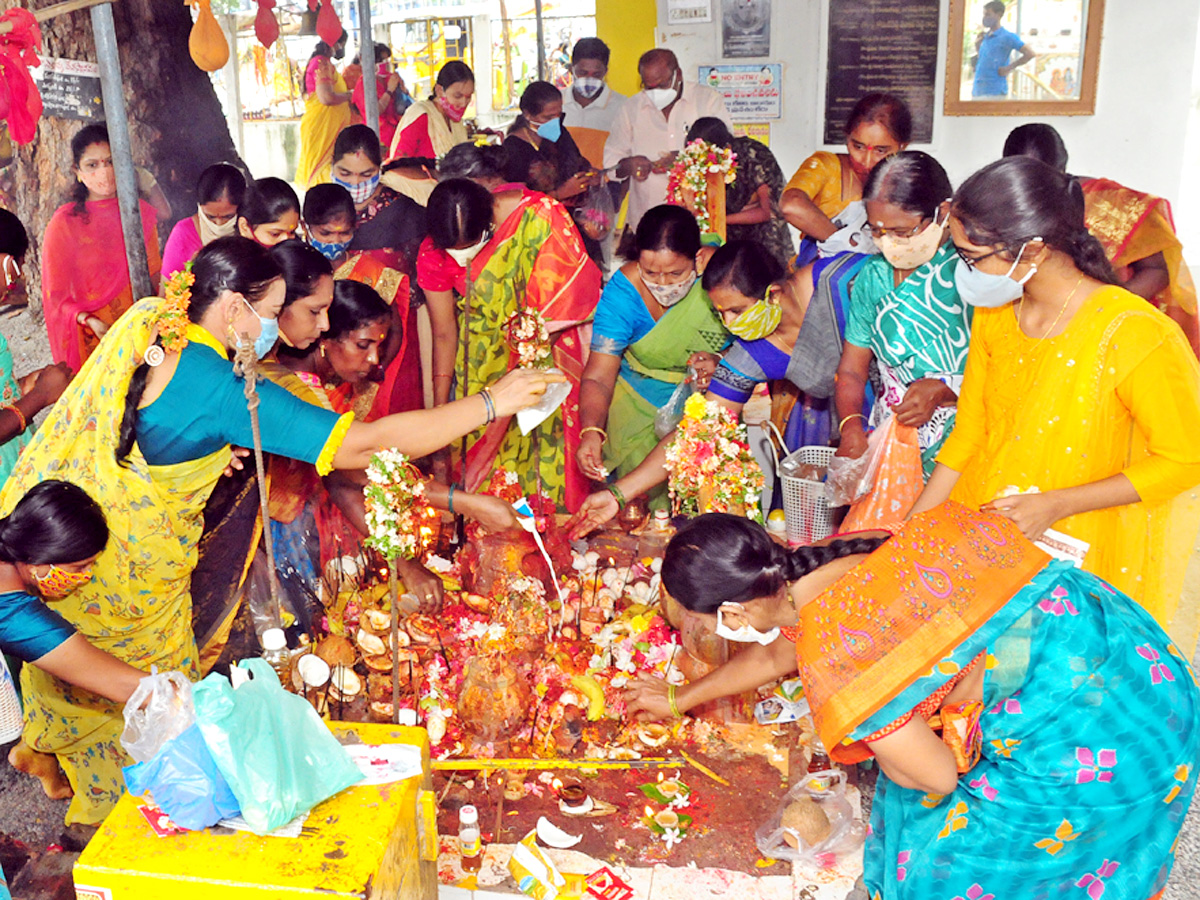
(1059,700)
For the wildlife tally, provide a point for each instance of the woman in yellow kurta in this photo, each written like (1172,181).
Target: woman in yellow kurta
(326,113)
(826,183)
(1079,391)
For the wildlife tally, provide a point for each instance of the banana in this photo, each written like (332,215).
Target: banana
(591,689)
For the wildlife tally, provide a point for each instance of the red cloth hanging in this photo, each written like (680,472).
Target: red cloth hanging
(329,26)
(266,26)
(20,101)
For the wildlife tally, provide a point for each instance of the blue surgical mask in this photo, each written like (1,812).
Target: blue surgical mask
(551,130)
(988,291)
(360,193)
(331,251)
(268,333)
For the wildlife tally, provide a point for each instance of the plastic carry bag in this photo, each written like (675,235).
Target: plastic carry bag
(159,709)
(596,214)
(185,782)
(845,479)
(277,755)
(827,789)
(668,415)
(896,479)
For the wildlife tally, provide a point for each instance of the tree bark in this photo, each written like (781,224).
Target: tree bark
(175,120)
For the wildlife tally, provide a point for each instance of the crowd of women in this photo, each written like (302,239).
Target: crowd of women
(1034,354)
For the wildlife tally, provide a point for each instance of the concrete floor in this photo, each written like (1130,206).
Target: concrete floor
(26,813)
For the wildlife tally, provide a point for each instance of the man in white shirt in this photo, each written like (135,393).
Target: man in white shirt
(652,126)
(589,104)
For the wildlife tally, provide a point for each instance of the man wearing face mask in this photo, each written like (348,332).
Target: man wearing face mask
(652,128)
(590,105)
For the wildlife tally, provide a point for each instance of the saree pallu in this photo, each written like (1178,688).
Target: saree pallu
(319,128)
(1132,226)
(1090,729)
(1084,406)
(536,260)
(84,269)
(444,135)
(401,387)
(137,606)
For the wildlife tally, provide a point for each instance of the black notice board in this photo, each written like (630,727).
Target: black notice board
(70,89)
(881,45)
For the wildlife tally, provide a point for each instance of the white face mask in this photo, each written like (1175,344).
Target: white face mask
(747,634)
(989,291)
(464,257)
(668,294)
(210,230)
(587,88)
(664,97)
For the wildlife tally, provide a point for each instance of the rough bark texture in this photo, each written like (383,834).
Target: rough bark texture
(175,120)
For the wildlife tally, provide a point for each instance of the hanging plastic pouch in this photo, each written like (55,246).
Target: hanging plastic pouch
(668,416)
(596,214)
(159,709)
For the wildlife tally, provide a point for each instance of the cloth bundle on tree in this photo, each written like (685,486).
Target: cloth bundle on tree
(329,26)
(207,44)
(266,26)
(20,101)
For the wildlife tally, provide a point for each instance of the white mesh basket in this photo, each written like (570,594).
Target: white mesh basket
(805,505)
(10,706)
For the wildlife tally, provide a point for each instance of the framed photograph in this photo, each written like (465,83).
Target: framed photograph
(1023,57)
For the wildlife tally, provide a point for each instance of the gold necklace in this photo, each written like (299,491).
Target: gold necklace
(1058,318)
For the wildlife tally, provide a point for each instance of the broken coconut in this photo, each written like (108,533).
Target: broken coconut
(805,819)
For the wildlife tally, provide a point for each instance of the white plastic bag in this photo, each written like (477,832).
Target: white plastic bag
(159,709)
(844,482)
(531,417)
(669,414)
(827,789)
(867,468)
(850,235)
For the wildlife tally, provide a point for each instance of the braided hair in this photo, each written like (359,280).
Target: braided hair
(720,558)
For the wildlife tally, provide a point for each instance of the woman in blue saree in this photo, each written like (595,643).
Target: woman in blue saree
(1069,723)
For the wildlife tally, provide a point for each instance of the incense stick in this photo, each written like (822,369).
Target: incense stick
(455,765)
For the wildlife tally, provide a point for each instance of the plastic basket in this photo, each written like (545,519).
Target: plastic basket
(10,708)
(805,505)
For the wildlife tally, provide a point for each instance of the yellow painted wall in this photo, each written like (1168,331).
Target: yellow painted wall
(627,26)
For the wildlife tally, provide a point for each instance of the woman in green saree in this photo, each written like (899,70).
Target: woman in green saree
(653,322)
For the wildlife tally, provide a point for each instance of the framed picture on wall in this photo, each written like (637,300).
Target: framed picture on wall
(1023,57)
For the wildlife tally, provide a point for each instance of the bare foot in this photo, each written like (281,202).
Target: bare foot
(42,766)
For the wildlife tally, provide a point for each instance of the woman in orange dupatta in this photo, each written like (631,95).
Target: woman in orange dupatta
(1058,699)
(1137,231)
(85,274)
(527,268)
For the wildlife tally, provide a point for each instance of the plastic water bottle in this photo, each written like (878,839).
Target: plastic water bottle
(275,652)
(470,843)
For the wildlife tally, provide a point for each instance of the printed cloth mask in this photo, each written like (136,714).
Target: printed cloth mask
(360,193)
(986,290)
(210,230)
(587,88)
(453,113)
(267,335)
(56,583)
(757,321)
(331,250)
(664,97)
(550,131)
(913,252)
(747,634)
(465,256)
(668,294)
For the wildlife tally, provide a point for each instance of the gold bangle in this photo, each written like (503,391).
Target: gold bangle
(675,711)
(442,375)
(842,424)
(596,428)
(12,408)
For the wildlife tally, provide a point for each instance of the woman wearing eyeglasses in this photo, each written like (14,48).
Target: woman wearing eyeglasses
(1078,394)
(905,312)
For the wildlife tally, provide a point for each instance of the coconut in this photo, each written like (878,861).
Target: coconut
(804,819)
(370,644)
(653,735)
(381,662)
(336,650)
(346,685)
(376,621)
(382,712)
(379,687)
(478,602)
(422,629)
(436,726)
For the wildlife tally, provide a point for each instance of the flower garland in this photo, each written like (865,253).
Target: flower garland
(173,319)
(529,338)
(689,176)
(395,505)
(711,466)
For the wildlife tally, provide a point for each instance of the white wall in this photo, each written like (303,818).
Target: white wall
(1136,136)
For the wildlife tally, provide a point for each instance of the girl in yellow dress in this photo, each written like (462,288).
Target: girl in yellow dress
(1081,403)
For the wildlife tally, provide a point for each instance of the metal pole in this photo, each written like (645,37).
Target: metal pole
(541,39)
(366,53)
(233,86)
(122,152)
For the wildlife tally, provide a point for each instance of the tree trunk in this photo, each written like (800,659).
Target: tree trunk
(175,120)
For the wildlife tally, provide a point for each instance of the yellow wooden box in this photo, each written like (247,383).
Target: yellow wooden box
(377,842)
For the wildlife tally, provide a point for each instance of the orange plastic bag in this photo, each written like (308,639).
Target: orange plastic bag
(898,482)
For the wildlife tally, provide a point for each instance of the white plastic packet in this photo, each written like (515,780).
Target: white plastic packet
(159,709)
(532,416)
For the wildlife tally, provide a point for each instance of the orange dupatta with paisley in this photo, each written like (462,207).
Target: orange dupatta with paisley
(894,616)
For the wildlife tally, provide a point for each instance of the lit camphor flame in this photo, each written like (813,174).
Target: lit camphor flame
(649,812)
(556,785)
(383,573)
(660,776)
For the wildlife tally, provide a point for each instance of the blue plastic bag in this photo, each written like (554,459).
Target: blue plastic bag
(185,782)
(279,758)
